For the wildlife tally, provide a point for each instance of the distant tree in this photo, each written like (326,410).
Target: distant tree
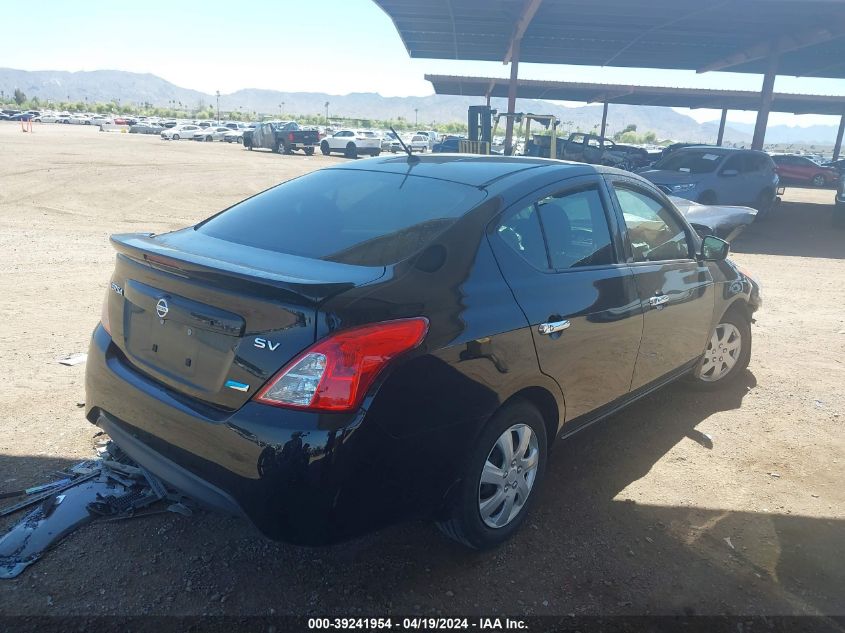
(20,97)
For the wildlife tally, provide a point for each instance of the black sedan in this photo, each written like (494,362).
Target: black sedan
(404,338)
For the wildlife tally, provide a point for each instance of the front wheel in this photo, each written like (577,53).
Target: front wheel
(818,180)
(175,137)
(351,151)
(503,468)
(727,355)
(309,151)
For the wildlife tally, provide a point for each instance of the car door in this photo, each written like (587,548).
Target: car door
(732,187)
(675,289)
(558,253)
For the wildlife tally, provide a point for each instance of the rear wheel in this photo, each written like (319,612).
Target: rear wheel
(764,203)
(208,139)
(727,355)
(818,180)
(377,153)
(280,148)
(324,147)
(175,137)
(503,468)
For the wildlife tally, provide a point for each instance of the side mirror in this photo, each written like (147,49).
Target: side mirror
(714,249)
(728,173)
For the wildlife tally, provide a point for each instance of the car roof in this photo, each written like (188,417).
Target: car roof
(468,169)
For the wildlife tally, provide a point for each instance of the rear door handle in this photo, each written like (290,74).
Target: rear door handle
(659,300)
(553,326)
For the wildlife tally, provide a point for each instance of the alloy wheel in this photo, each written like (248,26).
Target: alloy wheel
(508,476)
(722,354)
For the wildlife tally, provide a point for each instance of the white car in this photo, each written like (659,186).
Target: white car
(101,120)
(418,143)
(352,143)
(49,117)
(79,119)
(211,133)
(180,131)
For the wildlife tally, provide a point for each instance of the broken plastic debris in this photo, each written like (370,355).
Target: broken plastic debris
(73,359)
(727,540)
(775,475)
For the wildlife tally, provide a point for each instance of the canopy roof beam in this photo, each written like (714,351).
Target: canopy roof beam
(778,46)
(522,23)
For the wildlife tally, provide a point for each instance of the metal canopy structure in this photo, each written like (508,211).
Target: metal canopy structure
(637,95)
(793,37)
(701,35)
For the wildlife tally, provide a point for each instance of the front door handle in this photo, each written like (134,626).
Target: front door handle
(658,301)
(553,326)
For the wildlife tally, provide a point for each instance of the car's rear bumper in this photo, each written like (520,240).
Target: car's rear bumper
(298,476)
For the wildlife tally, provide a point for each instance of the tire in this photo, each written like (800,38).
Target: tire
(208,139)
(707,197)
(309,151)
(351,151)
(280,148)
(239,141)
(705,376)
(508,426)
(324,148)
(377,153)
(819,180)
(175,137)
(764,203)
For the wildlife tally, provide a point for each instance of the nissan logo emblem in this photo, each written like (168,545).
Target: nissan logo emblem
(162,308)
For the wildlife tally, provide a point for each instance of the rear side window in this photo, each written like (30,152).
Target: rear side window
(348,216)
(562,231)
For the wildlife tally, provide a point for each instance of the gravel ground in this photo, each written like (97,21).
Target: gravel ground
(726,503)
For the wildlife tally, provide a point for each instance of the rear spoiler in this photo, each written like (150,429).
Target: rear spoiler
(189,254)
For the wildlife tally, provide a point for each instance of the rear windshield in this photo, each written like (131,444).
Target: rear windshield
(699,162)
(349,216)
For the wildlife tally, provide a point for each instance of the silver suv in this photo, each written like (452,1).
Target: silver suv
(717,175)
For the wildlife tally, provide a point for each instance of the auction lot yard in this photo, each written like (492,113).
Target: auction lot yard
(725,503)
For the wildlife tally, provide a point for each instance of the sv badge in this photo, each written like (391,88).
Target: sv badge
(263,343)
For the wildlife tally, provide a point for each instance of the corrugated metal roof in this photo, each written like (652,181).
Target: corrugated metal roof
(671,34)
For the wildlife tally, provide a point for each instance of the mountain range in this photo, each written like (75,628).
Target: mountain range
(107,85)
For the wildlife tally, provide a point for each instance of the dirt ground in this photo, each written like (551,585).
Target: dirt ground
(730,503)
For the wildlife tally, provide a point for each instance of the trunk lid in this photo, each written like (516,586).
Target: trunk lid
(212,319)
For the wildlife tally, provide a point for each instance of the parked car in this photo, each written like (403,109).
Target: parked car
(145,127)
(418,143)
(283,137)
(633,157)
(79,119)
(838,165)
(390,143)
(101,120)
(211,133)
(388,340)
(352,143)
(234,136)
(717,175)
(795,168)
(186,130)
(725,222)
(451,144)
(596,150)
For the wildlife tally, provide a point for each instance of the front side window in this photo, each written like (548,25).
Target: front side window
(653,230)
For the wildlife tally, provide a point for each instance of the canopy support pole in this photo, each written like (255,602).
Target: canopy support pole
(765,102)
(512,85)
(837,147)
(603,120)
(722,121)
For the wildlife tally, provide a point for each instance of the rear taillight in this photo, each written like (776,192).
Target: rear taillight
(335,373)
(104,312)
(290,137)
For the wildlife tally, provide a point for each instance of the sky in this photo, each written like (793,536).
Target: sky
(333,46)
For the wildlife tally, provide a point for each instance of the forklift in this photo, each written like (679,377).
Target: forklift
(483,122)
